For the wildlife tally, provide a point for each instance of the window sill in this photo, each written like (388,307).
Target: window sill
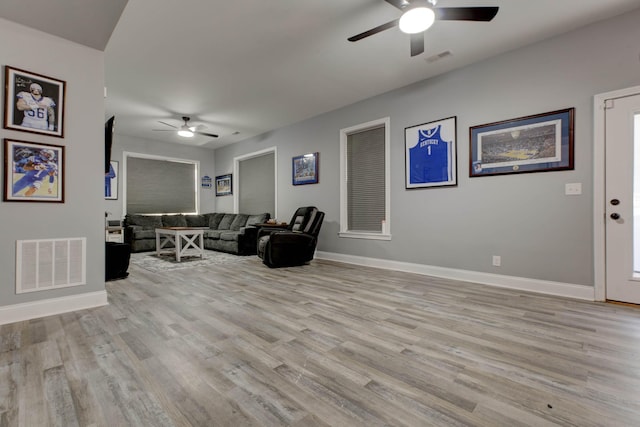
(364,235)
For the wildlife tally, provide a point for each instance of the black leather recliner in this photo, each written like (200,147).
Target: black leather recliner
(294,245)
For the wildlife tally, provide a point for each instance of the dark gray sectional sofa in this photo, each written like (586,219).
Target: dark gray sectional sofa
(232,233)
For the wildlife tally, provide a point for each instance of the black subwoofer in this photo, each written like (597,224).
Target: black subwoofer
(117,260)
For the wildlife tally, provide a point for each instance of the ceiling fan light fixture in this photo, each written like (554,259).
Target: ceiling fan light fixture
(185,132)
(417,20)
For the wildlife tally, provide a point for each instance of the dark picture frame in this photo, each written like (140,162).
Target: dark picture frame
(431,154)
(304,169)
(34,102)
(111,179)
(537,143)
(33,172)
(224,185)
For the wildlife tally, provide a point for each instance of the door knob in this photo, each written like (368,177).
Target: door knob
(615,202)
(615,216)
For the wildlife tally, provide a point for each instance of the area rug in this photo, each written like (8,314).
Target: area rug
(152,262)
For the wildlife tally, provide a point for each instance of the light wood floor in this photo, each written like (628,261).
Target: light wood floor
(326,344)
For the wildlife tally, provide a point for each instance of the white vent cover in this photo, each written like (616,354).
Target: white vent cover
(50,264)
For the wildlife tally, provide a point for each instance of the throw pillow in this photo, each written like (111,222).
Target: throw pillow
(258,219)
(214,220)
(145,221)
(196,221)
(174,220)
(227,219)
(239,221)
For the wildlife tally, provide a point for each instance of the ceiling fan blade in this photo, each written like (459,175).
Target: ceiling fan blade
(465,13)
(212,135)
(373,31)
(417,44)
(167,124)
(163,130)
(400,4)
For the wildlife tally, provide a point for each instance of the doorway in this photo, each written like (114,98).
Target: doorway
(256,182)
(618,124)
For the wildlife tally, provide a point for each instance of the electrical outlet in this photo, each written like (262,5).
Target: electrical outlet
(573,189)
(497,260)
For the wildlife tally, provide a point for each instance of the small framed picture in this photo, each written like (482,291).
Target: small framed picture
(111,181)
(305,169)
(223,185)
(33,102)
(539,143)
(33,172)
(430,154)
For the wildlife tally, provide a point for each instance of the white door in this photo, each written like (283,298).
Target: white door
(622,195)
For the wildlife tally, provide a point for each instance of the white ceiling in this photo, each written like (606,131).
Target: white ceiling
(88,22)
(251,66)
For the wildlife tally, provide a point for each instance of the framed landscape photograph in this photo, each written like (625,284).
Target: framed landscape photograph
(305,169)
(111,181)
(33,172)
(431,154)
(33,102)
(223,185)
(539,143)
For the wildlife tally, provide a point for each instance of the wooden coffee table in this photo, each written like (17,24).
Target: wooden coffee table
(187,241)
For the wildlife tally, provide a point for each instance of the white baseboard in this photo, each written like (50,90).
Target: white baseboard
(49,307)
(569,290)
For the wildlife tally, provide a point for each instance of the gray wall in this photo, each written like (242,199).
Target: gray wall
(82,213)
(127,143)
(539,232)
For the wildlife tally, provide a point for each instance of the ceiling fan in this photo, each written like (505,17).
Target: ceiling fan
(419,15)
(185,130)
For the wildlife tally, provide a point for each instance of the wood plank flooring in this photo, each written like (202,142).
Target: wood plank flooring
(326,344)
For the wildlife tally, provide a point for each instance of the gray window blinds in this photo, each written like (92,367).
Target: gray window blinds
(157,186)
(366,180)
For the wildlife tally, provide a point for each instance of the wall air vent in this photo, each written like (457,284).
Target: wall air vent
(50,264)
(441,55)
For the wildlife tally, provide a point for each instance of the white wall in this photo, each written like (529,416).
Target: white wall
(205,156)
(82,213)
(540,233)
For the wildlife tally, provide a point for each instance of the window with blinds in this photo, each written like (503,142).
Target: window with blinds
(161,185)
(365,181)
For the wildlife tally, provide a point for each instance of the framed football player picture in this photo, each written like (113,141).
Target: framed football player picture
(33,172)
(431,154)
(33,102)
(111,181)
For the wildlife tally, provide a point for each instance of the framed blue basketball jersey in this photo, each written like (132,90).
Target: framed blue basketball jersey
(431,154)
